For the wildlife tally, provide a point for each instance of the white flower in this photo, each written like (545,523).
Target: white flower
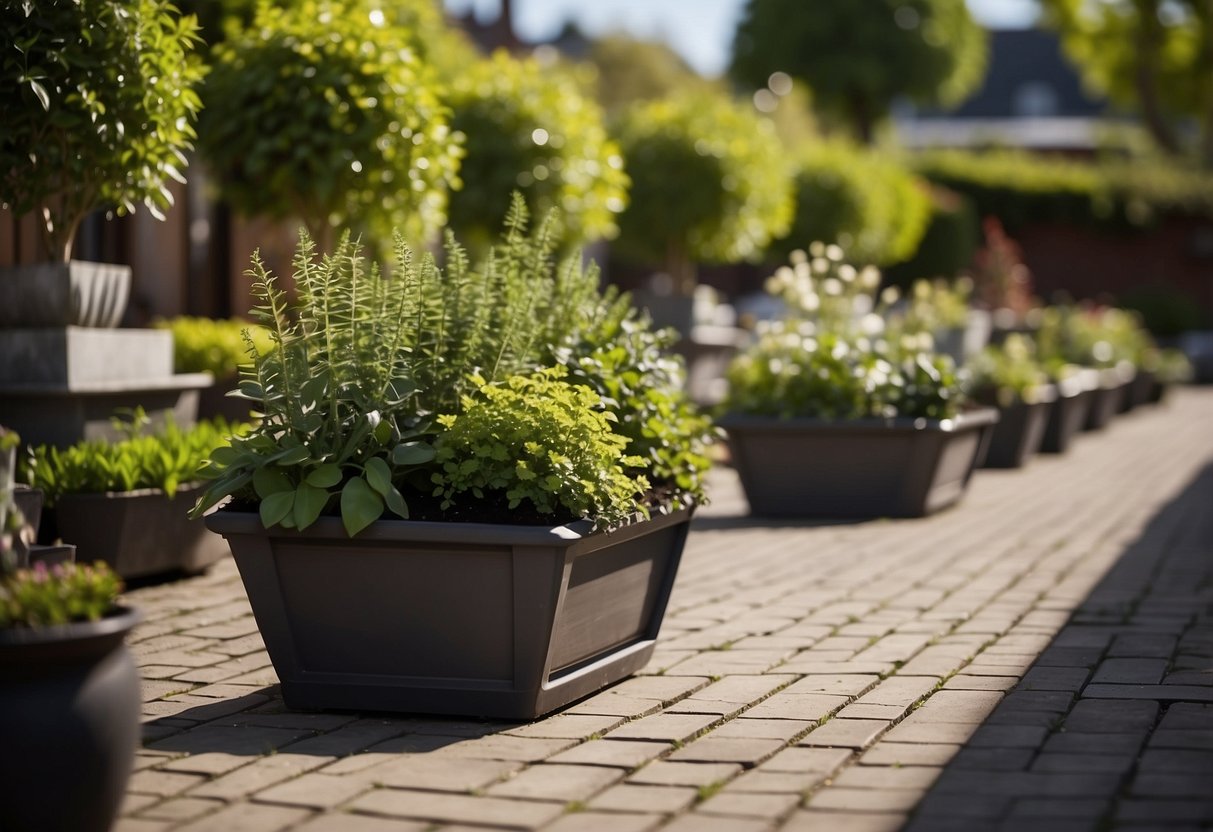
(834,252)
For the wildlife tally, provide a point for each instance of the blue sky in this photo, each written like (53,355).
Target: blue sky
(699,29)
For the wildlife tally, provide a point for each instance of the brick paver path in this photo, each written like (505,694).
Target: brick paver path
(1040,657)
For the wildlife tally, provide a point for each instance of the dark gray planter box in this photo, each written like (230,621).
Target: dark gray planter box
(76,293)
(454,618)
(1106,399)
(139,533)
(1066,419)
(1019,432)
(862,468)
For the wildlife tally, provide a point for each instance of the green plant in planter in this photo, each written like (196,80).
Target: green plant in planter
(1004,374)
(165,461)
(376,386)
(98,101)
(320,110)
(935,305)
(1100,337)
(41,597)
(533,128)
(205,345)
(710,182)
(834,357)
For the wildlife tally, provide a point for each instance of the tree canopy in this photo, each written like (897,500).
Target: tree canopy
(858,56)
(1155,56)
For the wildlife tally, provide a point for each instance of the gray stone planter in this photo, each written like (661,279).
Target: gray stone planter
(138,533)
(76,293)
(1020,430)
(863,468)
(454,618)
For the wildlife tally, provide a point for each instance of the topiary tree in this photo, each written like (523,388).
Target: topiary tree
(868,204)
(530,128)
(98,106)
(710,182)
(859,57)
(321,110)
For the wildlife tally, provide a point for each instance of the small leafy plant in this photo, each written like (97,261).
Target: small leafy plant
(165,460)
(835,356)
(65,593)
(1008,373)
(380,391)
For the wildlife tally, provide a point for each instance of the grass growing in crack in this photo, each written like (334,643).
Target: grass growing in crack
(708,790)
(575,806)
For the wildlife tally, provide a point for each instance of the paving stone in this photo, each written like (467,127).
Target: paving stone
(552,781)
(994,759)
(889,753)
(317,791)
(711,749)
(620,753)
(345,822)
(248,817)
(1079,763)
(1055,678)
(957,706)
(865,800)
(568,726)
(1008,736)
(671,727)
(1130,671)
(1051,701)
(665,773)
(605,822)
(799,759)
(933,733)
(898,691)
(696,822)
(816,820)
(1111,716)
(633,797)
(1186,693)
(844,684)
(846,733)
(438,773)
(451,808)
(1187,785)
(1142,645)
(506,747)
(800,706)
(885,713)
(614,704)
(735,804)
(1183,738)
(181,809)
(1037,808)
(963,681)
(162,783)
(760,781)
(766,729)
(887,777)
(1077,742)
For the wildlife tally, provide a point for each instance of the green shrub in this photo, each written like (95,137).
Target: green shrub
(710,183)
(1019,188)
(835,357)
(321,110)
(531,128)
(205,345)
(541,439)
(165,460)
(1098,337)
(869,205)
(947,245)
(98,102)
(63,594)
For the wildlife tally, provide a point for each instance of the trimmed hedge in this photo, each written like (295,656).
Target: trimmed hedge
(1019,188)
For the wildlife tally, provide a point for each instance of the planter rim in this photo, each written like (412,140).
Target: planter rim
(977,417)
(182,489)
(1039,394)
(227,521)
(119,620)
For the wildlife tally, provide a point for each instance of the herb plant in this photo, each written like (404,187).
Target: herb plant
(99,103)
(41,597)
(1007,373)
(377,384)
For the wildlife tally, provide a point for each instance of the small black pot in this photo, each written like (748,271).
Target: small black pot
(69,719)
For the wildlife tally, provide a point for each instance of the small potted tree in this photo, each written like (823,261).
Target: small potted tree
(831,413)
(530,127)
(69,697)
(710,183)
(98,106)
(1008,376)
(441,457)
(322,112)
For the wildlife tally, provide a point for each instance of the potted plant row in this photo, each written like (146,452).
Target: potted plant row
(471,485)
(833,412)
(1009,378)
(69,696)
(127,502)
(1104,340)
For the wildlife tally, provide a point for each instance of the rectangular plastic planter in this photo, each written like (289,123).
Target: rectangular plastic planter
(138,533)
(454,618)
(1066,419)
(1019,432)
(862,468)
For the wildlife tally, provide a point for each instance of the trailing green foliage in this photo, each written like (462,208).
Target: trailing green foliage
(205,345)
(65,593)
(165,460)
(1020,188)
(710,182)
(98,102)
(531,128)
(367,373)
(835,356)
(541,439)
(871,206)
(319,110)
(1004,374)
